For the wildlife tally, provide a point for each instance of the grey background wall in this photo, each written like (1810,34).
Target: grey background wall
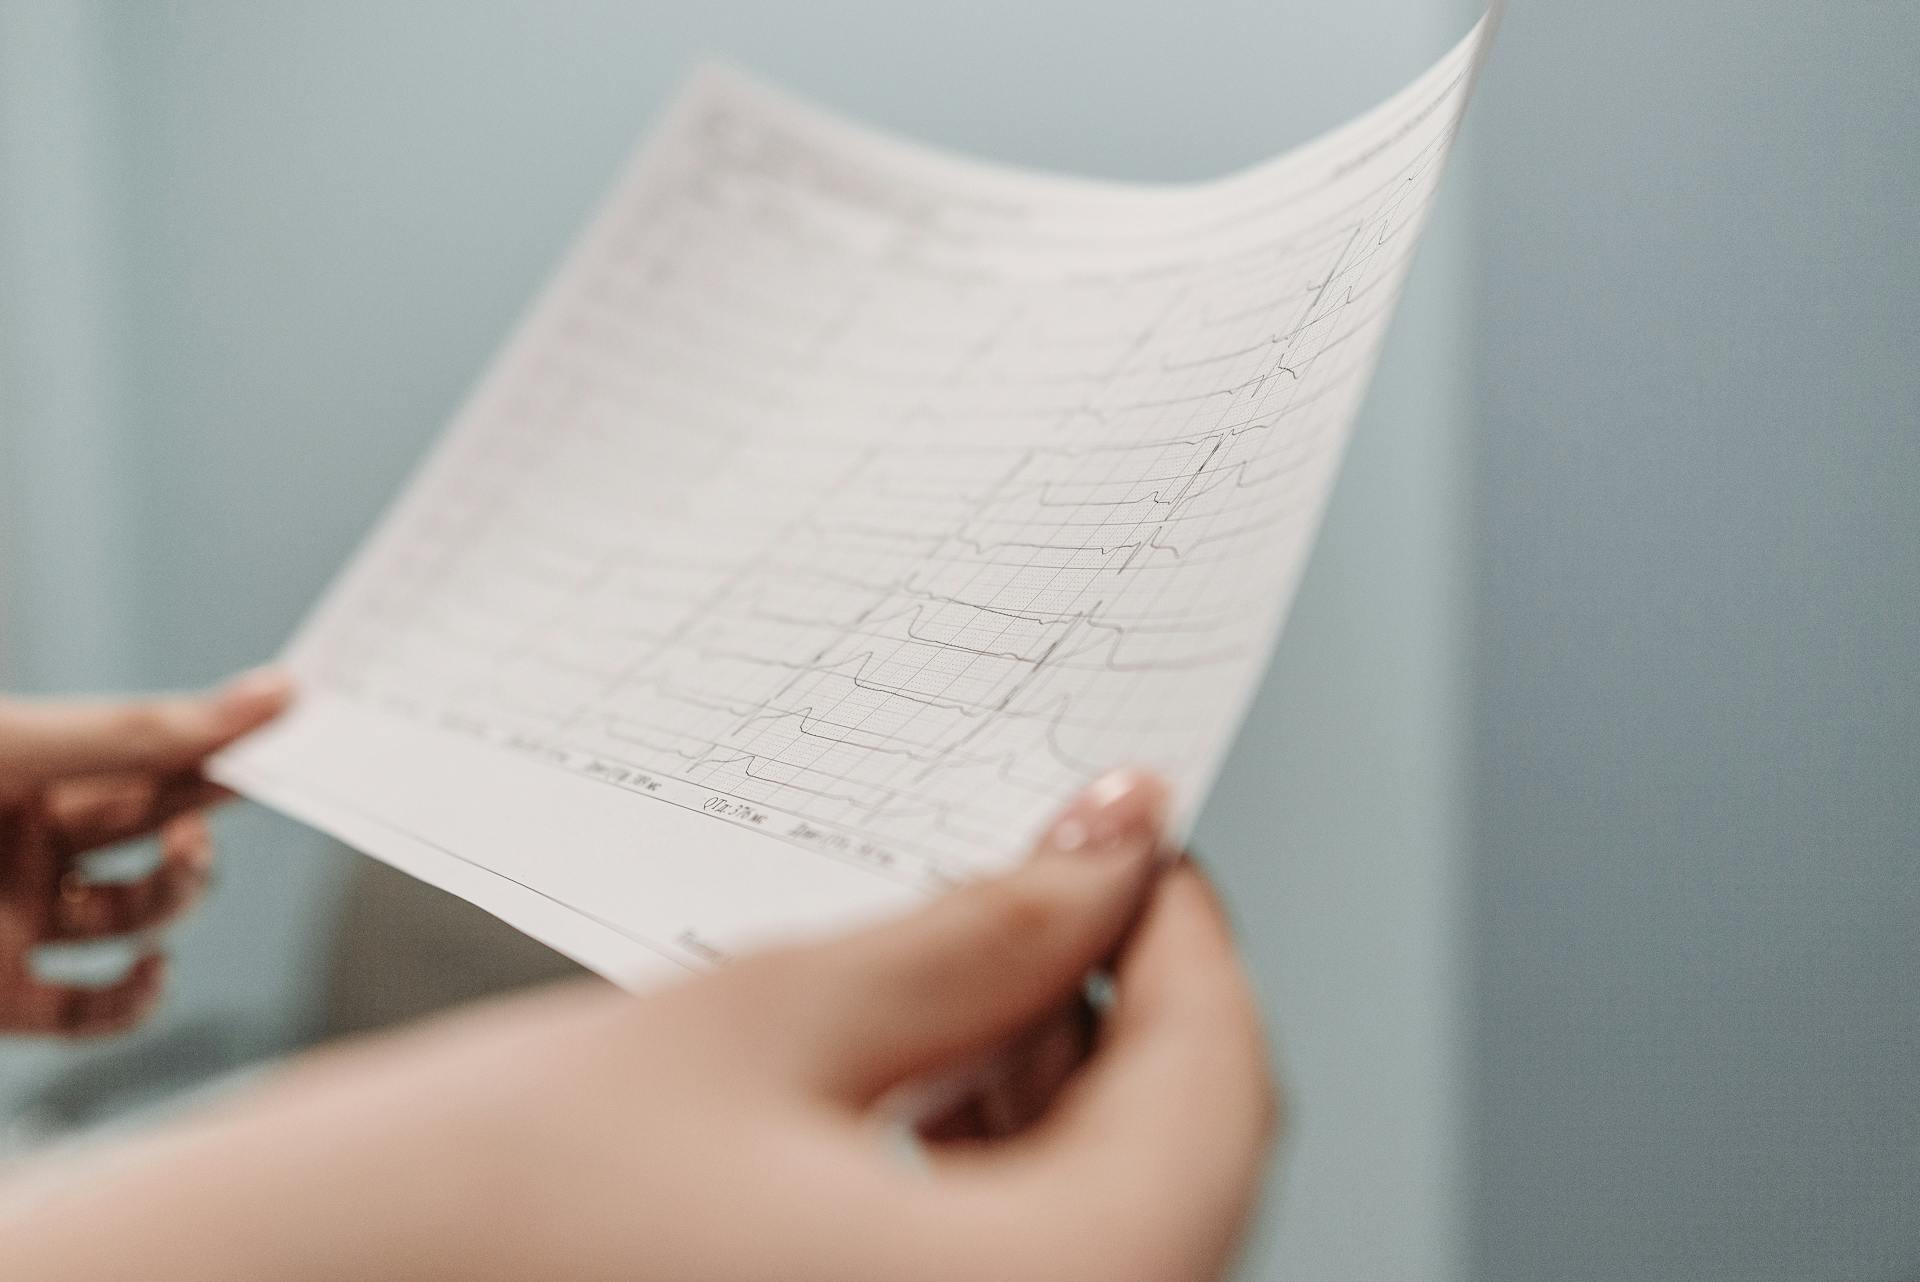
(1697,731)
(306,226)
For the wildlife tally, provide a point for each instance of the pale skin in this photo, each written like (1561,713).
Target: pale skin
(728,1127)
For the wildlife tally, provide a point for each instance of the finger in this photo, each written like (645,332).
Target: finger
(68,1010)
(1023,1082)
(102,909)
(901,1000)
(1039,1064)
(88,814)
(43,742)
(1163,1138)
(30,865)
(964,1123)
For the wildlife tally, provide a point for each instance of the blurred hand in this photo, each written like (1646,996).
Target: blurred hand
(726,1128)
(75,778)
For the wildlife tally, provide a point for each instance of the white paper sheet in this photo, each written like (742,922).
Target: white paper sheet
(839,510)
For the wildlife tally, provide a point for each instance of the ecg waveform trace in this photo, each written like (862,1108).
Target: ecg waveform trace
(876,499)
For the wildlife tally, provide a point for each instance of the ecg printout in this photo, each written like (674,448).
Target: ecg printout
(840,509)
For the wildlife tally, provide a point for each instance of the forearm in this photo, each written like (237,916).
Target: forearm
(204,1202)
(280,1188)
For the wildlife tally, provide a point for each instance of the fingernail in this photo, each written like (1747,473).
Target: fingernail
(255,692)
(1120,812)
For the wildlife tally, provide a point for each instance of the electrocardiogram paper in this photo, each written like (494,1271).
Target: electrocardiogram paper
(840,509)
